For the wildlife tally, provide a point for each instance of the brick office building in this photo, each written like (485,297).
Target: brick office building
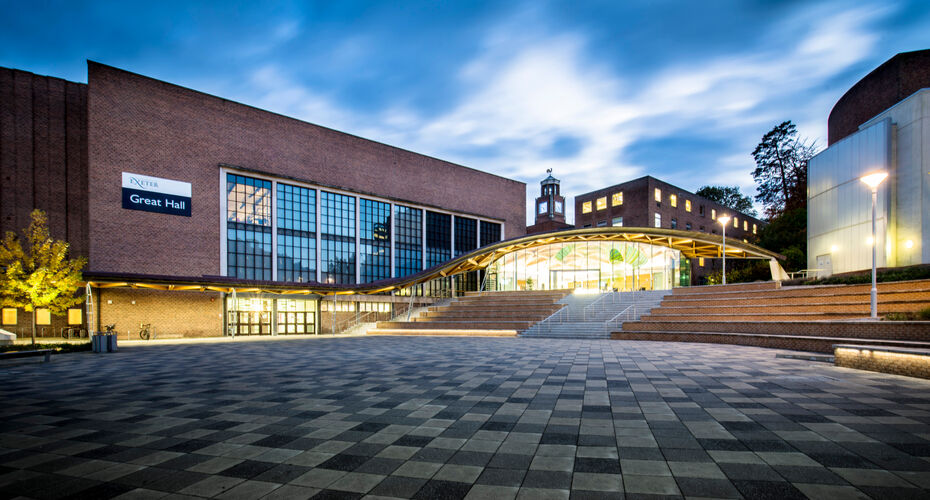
(649,202)
(155,181)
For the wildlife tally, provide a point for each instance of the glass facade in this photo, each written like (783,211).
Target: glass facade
(248,227)
(466,235)
(595,265)
(296,233)
(279,230)
(374,219)
(337,235)
(490,233)
(408,240)
(438,238)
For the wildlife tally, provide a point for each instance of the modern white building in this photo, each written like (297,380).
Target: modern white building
(897,141)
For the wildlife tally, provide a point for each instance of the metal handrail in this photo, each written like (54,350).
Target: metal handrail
(621,313)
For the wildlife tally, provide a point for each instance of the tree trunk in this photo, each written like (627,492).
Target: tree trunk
(33,326)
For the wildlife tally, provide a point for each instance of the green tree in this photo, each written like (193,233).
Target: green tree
(40,275)
(728,196)
(781,169)
(787,235)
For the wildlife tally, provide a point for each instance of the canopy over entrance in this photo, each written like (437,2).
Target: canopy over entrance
(689,243)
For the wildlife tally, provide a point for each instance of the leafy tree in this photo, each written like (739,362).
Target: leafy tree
(787,235)
(40,275)
(728,196)
(781,169)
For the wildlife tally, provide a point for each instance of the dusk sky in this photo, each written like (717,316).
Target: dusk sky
(601,92)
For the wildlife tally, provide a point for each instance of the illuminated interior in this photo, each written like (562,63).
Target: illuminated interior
(590,265)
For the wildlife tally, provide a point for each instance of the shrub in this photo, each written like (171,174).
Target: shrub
(58,348)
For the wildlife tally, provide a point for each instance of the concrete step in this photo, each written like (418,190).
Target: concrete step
(861,308)
(766,316)
(736,287)
(785,298)
(444,333)
(453,325)
(793,342)
(889,330)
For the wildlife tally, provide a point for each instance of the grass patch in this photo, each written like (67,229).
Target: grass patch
(58,348)
(918,272)
(921,315)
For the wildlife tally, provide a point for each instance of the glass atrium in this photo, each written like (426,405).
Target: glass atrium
(590,265)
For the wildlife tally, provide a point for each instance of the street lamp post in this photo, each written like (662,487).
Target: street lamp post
(724,220)
(873,180)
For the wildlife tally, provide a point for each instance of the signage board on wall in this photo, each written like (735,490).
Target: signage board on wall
(154,194)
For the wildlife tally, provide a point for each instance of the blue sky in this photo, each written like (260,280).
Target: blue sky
(601,92)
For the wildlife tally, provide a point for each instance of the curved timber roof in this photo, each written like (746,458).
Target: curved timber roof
(691,244)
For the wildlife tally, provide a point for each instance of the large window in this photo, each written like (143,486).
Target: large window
(374,219)
(296,233)
(617,199)
(490,233)
(602,203)
(438,238)
(408,240)
(466,235)
(337,235)
(586,207)
(248,227)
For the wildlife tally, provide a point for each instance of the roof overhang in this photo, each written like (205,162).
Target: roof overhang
(690,243)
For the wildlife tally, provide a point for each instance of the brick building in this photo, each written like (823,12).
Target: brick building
(159,182)
(549,208)
(649,202)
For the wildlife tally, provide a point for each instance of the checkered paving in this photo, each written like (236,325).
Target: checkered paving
(447,418)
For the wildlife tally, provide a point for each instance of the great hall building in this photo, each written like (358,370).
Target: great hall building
(204,217)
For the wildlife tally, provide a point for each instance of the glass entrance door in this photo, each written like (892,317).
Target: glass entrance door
(575,278)
(249,316)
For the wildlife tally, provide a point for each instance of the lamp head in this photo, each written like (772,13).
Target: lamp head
(874,179)
(725,219)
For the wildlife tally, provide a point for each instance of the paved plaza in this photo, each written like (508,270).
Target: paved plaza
(438,418)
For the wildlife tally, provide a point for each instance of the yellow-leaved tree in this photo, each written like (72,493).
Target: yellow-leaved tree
(38,275)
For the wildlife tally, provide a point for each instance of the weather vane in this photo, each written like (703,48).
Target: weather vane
(549,171)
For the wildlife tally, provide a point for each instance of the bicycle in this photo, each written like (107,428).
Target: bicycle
(144,331)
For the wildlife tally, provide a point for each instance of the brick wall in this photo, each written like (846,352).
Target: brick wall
(893,81)
(140,125)
(915,364)
(173,314)
(43,154)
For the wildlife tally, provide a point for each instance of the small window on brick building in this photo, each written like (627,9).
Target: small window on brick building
(735,222)
(586,207)
(713,213)
(687,226)
(674,223)
(602,223)
(687,205)
(586,225)
(658,219)
(701,261)
(673,200)
(658,194)
(753,229)
(602,203)
(617,199)
(617,222)
(745,226)
(701,210)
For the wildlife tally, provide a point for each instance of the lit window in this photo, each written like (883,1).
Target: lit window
(602,203)
(687,205)
(586,207)
(617,199)
(617,221)
(735,222)
(753,229)
(713,213)
(745,226)
(658,220)
(673,200)
(602,223)
(658,194)
(701,261)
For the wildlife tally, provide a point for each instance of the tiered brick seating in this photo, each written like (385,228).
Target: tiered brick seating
(811,318)
(488,314)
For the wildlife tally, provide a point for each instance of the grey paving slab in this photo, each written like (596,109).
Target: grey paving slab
(388,417)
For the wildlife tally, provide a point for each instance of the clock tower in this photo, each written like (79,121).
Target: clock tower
(550,205)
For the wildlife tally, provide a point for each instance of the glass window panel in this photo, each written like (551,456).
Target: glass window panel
(248,224)
(337,237)
(586,207)
(296,233)
(438,238)
(408,240)
(602,203)
(490,233)
(466,235)
(617,199)
(375,240)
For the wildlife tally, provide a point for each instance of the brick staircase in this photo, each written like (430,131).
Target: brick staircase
(490,314)
(810,318)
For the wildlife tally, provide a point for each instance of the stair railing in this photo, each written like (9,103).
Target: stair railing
(616,319)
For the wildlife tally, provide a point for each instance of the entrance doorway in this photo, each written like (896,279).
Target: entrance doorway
(575,278)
